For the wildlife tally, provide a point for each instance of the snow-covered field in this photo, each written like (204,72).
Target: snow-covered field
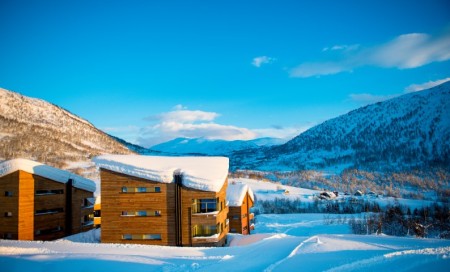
(295,242)
(266,190)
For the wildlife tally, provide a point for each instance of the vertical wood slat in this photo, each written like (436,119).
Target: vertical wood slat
(24,203)
(114,201)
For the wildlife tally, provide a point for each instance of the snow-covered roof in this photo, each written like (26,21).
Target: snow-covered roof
(32,167)
(236,193)
(202,173)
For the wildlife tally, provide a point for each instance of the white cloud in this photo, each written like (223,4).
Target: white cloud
(318,69)
(426,85)
(365,98)
(404,52)
(182,115)
(258,61)
(344,47)
(181,122)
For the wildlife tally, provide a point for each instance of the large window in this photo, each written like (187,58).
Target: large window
(49,192)
(141,236)
(48,231)
(204,230)
(141,213)
(155,189)
(49,211)
(205,205)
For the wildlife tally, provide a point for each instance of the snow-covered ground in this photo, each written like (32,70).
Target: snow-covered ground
(267,190)
(295,242)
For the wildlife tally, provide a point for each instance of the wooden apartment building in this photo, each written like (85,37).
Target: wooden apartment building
(39,202)
(175,201)
(241,199)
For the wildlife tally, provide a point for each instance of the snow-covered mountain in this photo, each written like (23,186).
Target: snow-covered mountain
(35,129)
(202,146)
(412,130)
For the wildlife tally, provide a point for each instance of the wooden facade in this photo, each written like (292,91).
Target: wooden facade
(36,208)
(141,211)
(240,217)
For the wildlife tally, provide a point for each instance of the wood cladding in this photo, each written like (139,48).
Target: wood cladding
(29,220)
(115,201)
(239,217)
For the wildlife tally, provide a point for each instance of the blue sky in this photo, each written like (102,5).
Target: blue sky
(150,71)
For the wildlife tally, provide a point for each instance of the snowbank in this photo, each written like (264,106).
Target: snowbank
(36,168)
(201,173)
(294,250)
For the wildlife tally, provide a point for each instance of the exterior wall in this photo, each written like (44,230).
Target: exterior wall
(240,216)
(9,225)
(190,219)
(114,202)
(82,211)
(45,224)
(36,216)
(115,225)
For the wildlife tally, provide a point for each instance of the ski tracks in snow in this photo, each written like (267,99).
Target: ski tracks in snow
(293,253)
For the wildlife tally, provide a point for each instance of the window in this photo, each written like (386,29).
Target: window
(49,211)
(49,192)
(141,213)
(87,220)
(141,189)
(8,214)
(233,230)
(141,236)
(204,205)
(151,237)
(204,230)
(235,217)
(48,231)
(7,236)
(88,202)
(8,193)
(97,213)
(155,189)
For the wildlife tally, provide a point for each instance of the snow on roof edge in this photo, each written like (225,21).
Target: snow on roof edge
(201,173)
(236,193)
(46,171)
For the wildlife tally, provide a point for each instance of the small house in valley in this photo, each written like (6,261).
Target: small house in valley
(176,201)
(241,199)
(40,202)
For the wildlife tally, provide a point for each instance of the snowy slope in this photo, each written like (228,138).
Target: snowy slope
(269,191)
(407,131)
(35,129)
(282,243)
(212,147)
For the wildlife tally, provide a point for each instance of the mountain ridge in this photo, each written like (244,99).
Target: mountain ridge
(209,147)
(411,130)
(35,129)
